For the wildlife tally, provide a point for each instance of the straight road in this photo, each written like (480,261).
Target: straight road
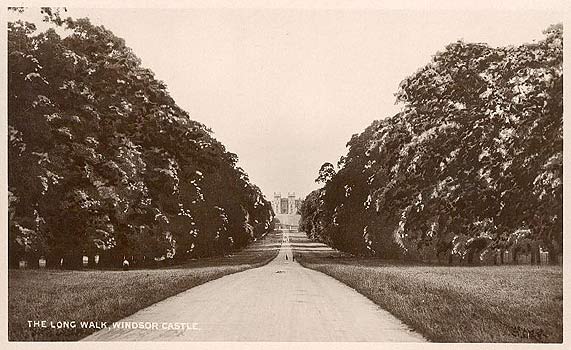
(281,301)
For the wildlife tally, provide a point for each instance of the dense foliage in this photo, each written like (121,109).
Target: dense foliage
(102,160)
(471,167)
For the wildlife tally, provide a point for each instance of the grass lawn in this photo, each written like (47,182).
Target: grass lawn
(107,296)
(507,303)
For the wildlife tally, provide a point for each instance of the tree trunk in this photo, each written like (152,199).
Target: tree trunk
(53,261)
(535,253)
(73,261)
(514,258)
(551,254)
(34,261)
(470,257)
(91,262)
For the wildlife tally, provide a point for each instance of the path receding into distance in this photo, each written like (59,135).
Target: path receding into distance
(281,301)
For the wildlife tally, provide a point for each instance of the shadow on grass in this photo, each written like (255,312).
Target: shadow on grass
(495,304)
(110,295)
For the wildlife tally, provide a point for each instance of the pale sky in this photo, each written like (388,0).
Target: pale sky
(286,89)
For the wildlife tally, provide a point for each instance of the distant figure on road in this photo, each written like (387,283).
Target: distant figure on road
(286,256)
(292,257)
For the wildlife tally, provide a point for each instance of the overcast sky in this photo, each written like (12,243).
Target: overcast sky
(286,89)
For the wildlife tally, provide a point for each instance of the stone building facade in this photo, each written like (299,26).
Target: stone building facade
(286,205)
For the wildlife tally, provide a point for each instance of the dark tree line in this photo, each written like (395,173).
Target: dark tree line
(470,168)
(103,161)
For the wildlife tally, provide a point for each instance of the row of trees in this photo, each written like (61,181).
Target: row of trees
(102,160)
(471,167)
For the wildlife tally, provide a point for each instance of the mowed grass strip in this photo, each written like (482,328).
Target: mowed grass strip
(507,303)
(108,296)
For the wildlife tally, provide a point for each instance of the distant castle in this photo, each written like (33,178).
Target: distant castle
(288,205)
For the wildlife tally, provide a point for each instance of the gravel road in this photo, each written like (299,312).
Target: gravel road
(281,301)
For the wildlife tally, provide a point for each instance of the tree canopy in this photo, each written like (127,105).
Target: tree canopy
(103,161)
(472,164)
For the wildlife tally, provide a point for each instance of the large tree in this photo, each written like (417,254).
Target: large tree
(472,164)
(103,161)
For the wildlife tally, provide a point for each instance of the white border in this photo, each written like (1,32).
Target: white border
(561,6)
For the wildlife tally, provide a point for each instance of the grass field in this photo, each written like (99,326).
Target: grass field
(107,296)
(457,304)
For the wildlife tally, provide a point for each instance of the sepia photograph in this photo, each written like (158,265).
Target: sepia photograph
(245,172)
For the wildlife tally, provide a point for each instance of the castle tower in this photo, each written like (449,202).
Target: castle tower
(276,203)
(291,209)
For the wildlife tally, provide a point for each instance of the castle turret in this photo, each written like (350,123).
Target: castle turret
(276,203)
(291,209)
